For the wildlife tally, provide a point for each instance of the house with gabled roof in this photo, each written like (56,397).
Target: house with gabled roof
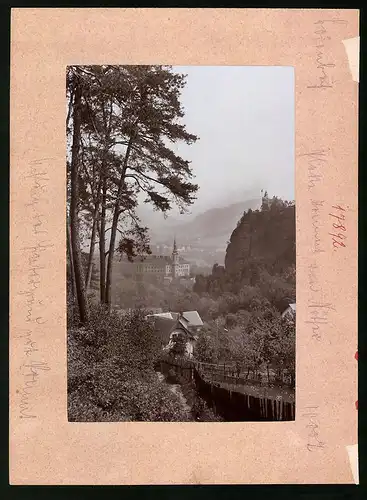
(170,325)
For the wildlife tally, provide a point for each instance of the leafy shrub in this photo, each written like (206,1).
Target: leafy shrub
(111,373)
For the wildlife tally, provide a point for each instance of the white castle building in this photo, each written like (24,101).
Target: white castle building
(164,266)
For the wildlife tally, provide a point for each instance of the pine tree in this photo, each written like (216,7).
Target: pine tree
(129,122)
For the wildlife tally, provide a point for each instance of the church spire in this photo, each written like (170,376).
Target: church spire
(174,245)
(175,259)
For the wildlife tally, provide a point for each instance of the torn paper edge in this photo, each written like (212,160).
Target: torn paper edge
(352,49)
(353,461)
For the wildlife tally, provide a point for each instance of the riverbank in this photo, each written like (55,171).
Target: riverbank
(196,408)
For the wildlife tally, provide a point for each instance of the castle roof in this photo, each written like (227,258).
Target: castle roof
(161,260)
(156,261)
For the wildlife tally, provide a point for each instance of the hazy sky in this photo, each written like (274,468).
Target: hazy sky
(244,117)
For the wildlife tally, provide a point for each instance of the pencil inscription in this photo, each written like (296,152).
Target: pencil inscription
(323,62)
(314,441)
(31,365)
(318,308)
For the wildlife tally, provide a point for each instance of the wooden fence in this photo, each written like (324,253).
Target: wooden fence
(229,373)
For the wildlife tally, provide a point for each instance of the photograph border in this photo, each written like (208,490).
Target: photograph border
(342,473)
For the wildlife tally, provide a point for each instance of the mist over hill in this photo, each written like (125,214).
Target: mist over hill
(202,238)
(210,229)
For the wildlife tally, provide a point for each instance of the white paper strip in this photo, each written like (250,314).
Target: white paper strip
(353,460)
(352,48)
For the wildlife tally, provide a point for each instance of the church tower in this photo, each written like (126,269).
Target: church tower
(175,259)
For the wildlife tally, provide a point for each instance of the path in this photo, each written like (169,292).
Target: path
(175,389)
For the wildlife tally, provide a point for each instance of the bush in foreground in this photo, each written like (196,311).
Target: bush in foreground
(111,373)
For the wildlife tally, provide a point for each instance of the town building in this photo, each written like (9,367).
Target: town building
(164,266)
(171,325)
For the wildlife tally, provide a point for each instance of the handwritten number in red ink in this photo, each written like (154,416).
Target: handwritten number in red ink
(337,240)
(338,219)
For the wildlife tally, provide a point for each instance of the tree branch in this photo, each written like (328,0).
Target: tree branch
(148,177)
(137,181)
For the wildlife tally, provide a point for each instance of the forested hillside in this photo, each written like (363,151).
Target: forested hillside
(265,238)
(260,259)
(248,295)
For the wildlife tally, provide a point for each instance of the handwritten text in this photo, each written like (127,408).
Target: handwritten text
(314,442)
(32,311)
(323,63)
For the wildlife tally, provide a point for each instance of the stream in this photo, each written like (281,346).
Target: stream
(175,389)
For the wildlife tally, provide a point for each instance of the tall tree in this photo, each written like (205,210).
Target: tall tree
(148,165)
(130,121)
(74,197)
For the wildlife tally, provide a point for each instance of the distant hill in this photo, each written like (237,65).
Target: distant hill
(210,229)
(207,233)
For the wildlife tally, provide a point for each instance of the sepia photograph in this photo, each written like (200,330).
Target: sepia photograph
(181,243)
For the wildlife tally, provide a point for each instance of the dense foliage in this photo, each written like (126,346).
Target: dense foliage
(249,294)
(264,237)
(256,341)
(122,125)
(241,303)
(111,373)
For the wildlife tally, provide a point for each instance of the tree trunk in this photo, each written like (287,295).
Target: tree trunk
(91,249)
(102,226)
(71,263)
(102,243)
(267,369)
(115,220)
(74,216)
